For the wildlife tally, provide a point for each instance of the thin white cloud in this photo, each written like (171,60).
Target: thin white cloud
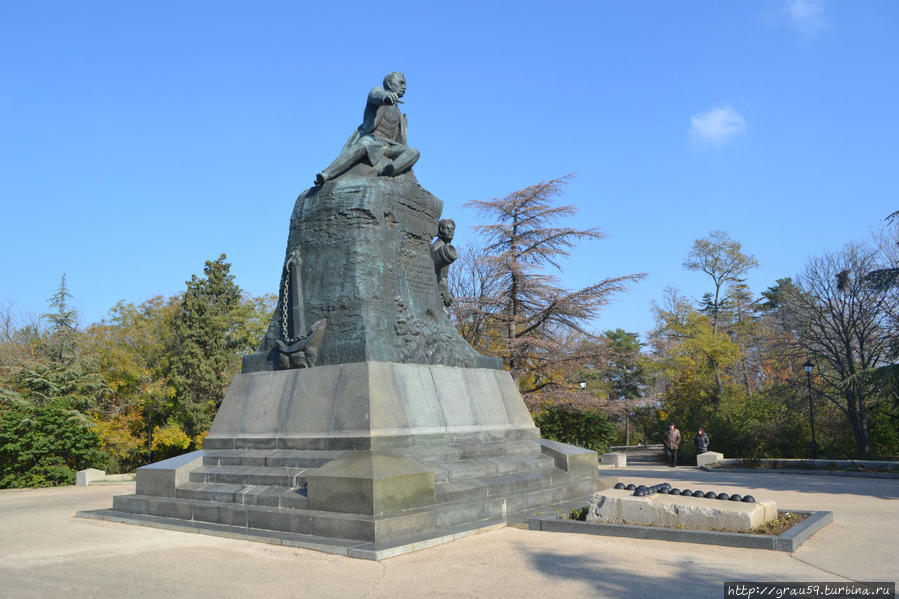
(717,125)
(805,16)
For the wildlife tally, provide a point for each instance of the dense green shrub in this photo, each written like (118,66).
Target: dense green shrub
(45,446)
(584,427)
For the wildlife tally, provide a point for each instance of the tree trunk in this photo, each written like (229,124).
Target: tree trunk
(718,384)
(627,429)
(858,422)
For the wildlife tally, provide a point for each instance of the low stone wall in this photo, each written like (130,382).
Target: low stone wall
(810,464)
(867,468)
(614,459)
(641,455)
(84,478)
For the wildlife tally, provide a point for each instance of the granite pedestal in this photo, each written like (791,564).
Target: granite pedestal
(373,452)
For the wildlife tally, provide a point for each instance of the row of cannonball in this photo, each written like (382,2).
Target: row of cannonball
(667,489)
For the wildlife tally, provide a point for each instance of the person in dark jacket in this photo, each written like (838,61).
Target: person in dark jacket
(671,439)
(701,442)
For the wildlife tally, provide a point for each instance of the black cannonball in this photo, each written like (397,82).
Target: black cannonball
(674,491)
(698,493)
(631,487)
(687,493)
(736,497)
(711,495)
(667,485)
(723,496)
(642,487)
(664,490)
(619,485)
(641,492)
(749,499)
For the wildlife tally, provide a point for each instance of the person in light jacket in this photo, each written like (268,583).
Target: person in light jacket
(671,439)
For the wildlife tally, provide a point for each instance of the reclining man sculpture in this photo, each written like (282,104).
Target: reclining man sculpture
(381,138)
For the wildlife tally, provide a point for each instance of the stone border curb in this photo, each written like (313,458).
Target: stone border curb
(345,547)
(891,475)
(788,541)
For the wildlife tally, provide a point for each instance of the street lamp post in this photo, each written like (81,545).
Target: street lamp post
(149,435)
(809,368)
(627,425)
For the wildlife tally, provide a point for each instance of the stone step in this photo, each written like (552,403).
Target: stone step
(250,475)
(272,458)
(288,497)
(485,467)
(647,457)
(457,452)
(491,486)
(296,520)
(514,457)
(505,496)
(528,447)
(516,497)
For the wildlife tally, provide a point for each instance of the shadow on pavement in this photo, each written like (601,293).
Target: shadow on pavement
(685,577)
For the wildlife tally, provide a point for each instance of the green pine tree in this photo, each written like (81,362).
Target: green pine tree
(208,345)
(61,343)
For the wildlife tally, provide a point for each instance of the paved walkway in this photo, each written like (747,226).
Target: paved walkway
(46,552)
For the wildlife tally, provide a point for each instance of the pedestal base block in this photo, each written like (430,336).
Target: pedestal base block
(370,482)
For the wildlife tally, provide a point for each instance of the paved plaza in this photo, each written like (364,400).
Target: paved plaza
(45,551)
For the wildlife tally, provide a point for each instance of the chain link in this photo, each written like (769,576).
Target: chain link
(285,336)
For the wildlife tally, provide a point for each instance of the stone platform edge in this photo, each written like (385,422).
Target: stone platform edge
(789,541)
(821,472)
(344,547)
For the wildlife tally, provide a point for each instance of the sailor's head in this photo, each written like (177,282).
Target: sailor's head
(395,82)
(446,228)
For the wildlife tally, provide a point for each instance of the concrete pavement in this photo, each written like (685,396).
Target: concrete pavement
(46,552)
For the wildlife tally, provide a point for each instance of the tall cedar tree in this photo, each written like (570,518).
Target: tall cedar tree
(60,345)
(532,313)
(207,346)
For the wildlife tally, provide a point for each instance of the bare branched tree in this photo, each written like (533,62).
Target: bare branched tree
(19,341)
(477,295)
(842,322)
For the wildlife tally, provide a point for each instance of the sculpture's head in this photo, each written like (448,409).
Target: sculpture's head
(395,82)
(446,228)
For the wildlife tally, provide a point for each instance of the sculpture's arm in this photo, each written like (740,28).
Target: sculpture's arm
(379,96)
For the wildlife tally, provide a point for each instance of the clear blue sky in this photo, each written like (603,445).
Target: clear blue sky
(138,140)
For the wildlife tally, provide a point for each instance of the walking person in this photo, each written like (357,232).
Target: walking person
(671,439)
